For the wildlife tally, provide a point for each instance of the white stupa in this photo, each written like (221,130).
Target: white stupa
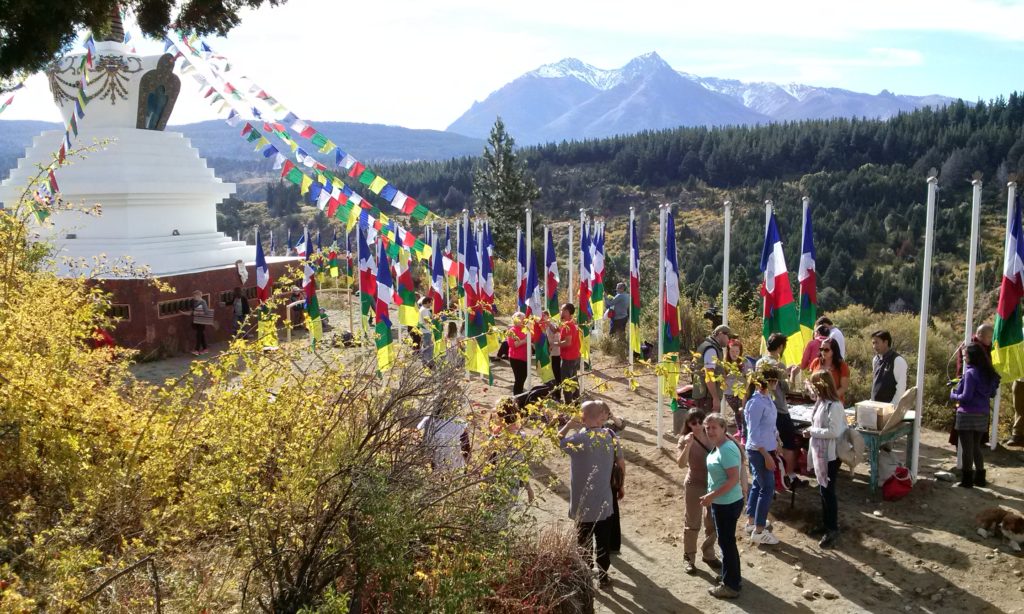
(158,196)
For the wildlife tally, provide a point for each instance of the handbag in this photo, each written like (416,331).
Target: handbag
(898,485)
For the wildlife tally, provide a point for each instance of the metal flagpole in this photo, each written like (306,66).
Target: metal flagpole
(529,261)
(569,288)
(543,278)
(661,313)
(922,331)
(969,315)
(629,321)
(725,263)
(993,437)
(465,258)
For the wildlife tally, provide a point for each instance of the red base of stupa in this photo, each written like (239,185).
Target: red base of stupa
(160,323)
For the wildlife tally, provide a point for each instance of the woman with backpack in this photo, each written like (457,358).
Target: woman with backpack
(828,422)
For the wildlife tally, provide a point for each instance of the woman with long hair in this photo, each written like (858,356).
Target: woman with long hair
(979,384)
(725,498)
(827,424)
(830,358)
(693,448)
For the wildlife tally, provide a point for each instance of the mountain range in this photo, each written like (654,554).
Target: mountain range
(571,99)
(215,139)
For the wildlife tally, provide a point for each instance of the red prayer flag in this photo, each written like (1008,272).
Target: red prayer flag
(409,205)
(246,129)
(288,166)
(357,169)
(53,182)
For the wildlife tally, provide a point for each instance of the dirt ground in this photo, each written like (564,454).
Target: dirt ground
(917,554)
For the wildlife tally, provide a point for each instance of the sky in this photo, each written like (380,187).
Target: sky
(421,64)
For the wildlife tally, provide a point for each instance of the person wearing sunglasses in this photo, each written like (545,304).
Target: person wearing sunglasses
(693,448)
(830,358)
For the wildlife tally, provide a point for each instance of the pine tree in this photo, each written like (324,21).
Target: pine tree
(503,189)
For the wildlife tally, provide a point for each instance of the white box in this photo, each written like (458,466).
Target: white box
(870,414)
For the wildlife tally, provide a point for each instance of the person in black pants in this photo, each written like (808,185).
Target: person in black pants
(517,353)
(200,310)
(725,498)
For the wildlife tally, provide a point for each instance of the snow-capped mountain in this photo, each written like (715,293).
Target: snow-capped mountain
(571,99)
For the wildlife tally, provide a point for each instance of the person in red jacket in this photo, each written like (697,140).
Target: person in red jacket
(569,343)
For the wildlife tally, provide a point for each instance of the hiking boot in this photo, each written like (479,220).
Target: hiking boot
(723,592)
(966,479)
(979,478)
(688,567)
(713,563)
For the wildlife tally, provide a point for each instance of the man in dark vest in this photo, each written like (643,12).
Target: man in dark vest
(711,355)
(890,369)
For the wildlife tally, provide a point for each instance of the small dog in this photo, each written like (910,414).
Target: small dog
(996,521)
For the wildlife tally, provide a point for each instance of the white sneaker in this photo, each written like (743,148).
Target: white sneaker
(765,537)
(749,528)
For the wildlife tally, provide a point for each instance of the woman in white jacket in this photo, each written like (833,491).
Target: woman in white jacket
(827,426)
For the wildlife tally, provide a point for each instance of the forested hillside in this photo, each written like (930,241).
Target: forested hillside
(865,178)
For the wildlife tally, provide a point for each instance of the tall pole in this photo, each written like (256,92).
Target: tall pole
(922,331)
(569,288)
(975,226)
(542,278)
(993,436)
(629,321)
(465,252)
(725,263)
(661,313)
(583,221)
(520,275)
(529,262)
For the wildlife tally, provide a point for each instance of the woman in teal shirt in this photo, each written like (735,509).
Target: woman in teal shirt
(725,497)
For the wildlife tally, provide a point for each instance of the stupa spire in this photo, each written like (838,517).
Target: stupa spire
(116,33)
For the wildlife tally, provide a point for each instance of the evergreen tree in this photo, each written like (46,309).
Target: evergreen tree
(502,188)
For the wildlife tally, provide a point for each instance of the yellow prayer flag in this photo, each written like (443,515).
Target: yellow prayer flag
(378,184)
(328,146)
(263,141)
(304,186)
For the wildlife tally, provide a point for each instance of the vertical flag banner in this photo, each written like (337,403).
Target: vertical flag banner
(453,271)
(367,279)
(408,314)
(382,313)
(670,333)
(780,314)
(634,289)
(597,293)
(332,257)
(477,359)
(520,271)
(437,284)
(1008,340)
(584,315)
(807,276)
(263,281)
(535,309)
(551,276)
(461,260)
(313,321)
(487,287)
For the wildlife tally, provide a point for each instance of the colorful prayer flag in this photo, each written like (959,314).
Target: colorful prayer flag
(1008,339)
(382,312)
(634,289)
(780,314)
(263,282)
(807,277)
(670,332)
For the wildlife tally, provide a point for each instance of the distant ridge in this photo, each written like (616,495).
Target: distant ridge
(215,139)
(571,99)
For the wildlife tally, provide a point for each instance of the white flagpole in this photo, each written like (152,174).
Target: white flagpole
(993,436)
(725,263)
(465,258)
(519,274)
(529,329)
(969,315)
(661,313)
(629,321)
(569,289)
(543,278)
(922,331)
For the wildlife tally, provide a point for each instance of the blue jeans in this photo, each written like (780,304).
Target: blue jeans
(762,491)
(726,517)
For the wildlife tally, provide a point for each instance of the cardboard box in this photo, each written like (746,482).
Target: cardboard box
(871,415)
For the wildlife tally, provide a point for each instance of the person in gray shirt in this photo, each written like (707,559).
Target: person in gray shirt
(592,451)
(618,310)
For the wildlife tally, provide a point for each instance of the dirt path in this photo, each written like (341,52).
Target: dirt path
(917,554)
